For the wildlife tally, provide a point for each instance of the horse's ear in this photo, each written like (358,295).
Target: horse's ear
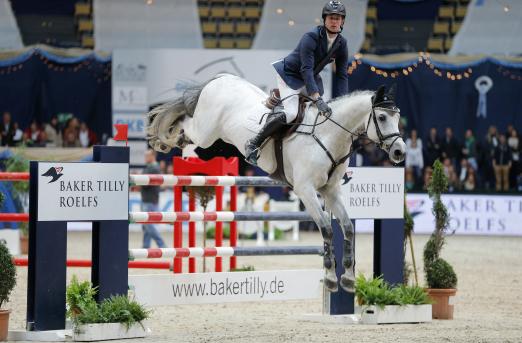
(379,95)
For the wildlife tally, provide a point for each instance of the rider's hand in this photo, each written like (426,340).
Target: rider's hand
(323,107)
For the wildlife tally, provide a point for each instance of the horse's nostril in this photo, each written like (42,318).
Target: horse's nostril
(163,147)
(397,152)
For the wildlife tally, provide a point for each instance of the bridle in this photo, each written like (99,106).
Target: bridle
(386,106)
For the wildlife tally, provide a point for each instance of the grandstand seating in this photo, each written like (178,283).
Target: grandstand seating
(147,24)
(448,23)
(283,23)
(229,24)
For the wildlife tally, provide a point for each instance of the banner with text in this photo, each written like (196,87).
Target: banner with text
(470,214)
(376,193)
(83,191)
(207,288)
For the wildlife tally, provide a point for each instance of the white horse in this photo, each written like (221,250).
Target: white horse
(230,108)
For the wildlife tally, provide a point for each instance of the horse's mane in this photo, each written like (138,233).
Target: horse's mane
(351,95)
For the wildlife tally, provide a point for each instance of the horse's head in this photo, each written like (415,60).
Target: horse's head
(383,126)
(165,127)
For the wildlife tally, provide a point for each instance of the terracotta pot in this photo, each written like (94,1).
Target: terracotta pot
(24,245)
(4,324)
(443,300)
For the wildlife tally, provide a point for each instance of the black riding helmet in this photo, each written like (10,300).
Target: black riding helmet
(334,7)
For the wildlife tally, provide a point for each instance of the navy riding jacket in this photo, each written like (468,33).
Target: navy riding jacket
(297,69)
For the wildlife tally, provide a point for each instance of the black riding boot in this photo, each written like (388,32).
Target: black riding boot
(274,122)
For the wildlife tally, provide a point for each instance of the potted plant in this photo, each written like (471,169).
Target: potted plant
(441,279)
(379,303)
(7,283)
(117,317)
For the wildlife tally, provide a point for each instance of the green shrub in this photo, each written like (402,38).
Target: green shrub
(440,274)
(7,274)
(375,291)
(83,309)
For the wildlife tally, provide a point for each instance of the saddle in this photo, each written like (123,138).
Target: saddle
(271,103)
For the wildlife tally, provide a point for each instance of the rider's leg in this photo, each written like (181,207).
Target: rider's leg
(275,121)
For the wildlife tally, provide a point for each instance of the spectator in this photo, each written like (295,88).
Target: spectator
(414,157)
(71,133)
(34,134)
(502,164)
(514,144)
(18,134)
(150,201)
(469,150)
(86,136)
(433,147)
(409,179)
(470,183)
(464,166)
(7,130)
(450,147)
(428,171)
(488,153)
(52,130)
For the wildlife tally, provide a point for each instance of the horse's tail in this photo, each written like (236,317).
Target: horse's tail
(163,118)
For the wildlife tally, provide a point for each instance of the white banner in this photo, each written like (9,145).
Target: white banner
(376,193)
(83,191)
(470,214)
(132,98)
(208,288)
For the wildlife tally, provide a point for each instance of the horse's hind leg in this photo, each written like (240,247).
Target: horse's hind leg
(308,196)
(334,203)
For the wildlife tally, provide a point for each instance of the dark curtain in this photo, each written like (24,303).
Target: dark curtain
(428,100)
(39,85)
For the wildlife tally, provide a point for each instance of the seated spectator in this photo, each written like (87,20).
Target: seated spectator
(414,157)
(470,183)
(428,171)
(7,130)
(18,134)
(86,136)
(52,130)
(34,134)
(409,179)
(71,133)
(502,164)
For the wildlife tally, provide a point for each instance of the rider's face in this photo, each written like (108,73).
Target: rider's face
(333,22)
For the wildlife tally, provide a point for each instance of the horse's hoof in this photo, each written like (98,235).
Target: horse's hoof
(348,284)
(330,285)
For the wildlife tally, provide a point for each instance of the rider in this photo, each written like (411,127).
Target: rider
(298,73)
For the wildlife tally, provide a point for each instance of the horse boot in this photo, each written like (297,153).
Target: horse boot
(274,122)
(348,278)
(330,278)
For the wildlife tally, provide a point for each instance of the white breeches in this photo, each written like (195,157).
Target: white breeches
(292,103)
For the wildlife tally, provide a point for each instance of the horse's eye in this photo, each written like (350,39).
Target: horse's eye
(382,117)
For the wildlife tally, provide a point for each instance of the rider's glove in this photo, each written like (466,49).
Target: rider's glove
(323,107)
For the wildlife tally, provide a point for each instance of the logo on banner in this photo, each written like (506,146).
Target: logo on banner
(130,73)
(483,84)
(347,177)
(54,173)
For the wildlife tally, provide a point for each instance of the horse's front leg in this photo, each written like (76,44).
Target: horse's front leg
(332,196)
(308,196)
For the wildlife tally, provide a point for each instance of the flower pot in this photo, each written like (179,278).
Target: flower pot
(4,324)
(443,300)
(101,332)
(394,314)
(24,245)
